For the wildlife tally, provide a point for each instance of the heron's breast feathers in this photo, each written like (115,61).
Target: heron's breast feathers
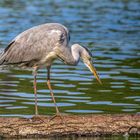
(49,58)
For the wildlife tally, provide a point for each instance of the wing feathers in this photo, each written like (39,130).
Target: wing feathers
(35,44)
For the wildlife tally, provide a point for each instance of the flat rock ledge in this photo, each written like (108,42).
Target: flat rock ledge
(70,125)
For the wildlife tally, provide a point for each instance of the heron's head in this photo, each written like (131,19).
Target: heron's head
(87,58)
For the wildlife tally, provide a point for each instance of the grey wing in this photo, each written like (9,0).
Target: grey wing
(22,51)
(34,44)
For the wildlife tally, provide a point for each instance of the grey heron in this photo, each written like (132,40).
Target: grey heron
(40,46)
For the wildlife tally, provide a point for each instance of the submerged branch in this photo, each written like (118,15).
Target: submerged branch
(78,125)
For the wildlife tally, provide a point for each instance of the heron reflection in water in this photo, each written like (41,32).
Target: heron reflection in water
(40,46)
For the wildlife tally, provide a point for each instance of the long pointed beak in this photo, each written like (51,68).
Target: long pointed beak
(93,70)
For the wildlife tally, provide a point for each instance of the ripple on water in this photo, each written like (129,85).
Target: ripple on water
(22,76)
(124,104)
(65,85)
(128,110)
(84,111)
(49,104)
(78,101)
(100,103)
(16,107)
(16,115)
(132,97)
(135,98)
(5,105)
(7,101)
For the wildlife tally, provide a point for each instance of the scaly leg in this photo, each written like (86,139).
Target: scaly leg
(58,114)
(35,90)
(51,91)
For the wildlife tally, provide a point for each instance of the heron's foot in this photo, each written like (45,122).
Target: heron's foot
(57,115)
(60,116)
(64,121)
(37,119)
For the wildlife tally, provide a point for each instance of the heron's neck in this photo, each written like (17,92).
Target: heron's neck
(70,55)
(75,53)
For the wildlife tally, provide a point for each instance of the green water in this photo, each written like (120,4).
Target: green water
(111,31)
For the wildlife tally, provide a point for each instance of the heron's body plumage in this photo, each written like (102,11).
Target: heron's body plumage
(36,45)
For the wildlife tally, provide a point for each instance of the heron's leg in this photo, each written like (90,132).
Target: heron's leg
(51,91)
(35,89)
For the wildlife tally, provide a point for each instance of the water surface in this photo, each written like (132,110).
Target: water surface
(111,31)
